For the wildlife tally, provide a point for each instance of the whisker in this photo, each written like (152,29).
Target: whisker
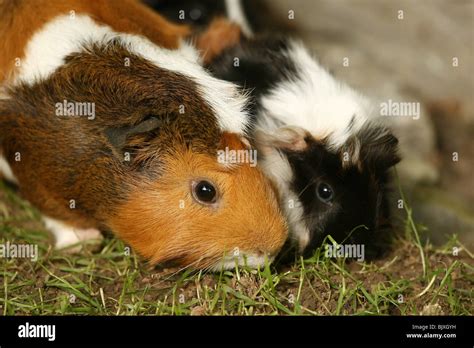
(183,268)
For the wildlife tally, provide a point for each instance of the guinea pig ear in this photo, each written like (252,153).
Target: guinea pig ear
(290,138)
(118,137)
(379,148)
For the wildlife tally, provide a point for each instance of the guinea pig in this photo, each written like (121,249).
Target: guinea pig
(105,129)
(317,139)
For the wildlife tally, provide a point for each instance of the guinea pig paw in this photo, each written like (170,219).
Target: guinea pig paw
(73,240)
(89,238)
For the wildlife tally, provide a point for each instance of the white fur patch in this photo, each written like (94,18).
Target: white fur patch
(64,35)
(6,170)
(316,101)
(66,236)
(46,50)
(235,12)
(277,167)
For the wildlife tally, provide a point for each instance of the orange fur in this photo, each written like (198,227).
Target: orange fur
(161,219)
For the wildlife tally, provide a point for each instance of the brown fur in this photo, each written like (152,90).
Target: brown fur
(220,34)
(20,19)
(47,141)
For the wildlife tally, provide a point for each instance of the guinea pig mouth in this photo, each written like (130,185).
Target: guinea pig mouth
(249,260)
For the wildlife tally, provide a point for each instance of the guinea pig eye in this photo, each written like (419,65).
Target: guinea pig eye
(325,192)
(204,192)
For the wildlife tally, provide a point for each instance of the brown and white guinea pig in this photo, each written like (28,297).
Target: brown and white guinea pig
(319,140)
(104,129)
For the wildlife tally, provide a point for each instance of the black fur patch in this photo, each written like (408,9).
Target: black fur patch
(201,12)
(196,12)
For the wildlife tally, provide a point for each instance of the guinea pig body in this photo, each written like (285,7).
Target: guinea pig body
(106,130)
(317,138)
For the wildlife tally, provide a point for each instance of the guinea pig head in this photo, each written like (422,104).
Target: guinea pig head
(325,191)
(203,210)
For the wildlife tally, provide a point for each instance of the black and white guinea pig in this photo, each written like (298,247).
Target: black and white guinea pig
(318,139)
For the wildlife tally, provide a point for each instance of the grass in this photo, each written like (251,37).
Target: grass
(411,279)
